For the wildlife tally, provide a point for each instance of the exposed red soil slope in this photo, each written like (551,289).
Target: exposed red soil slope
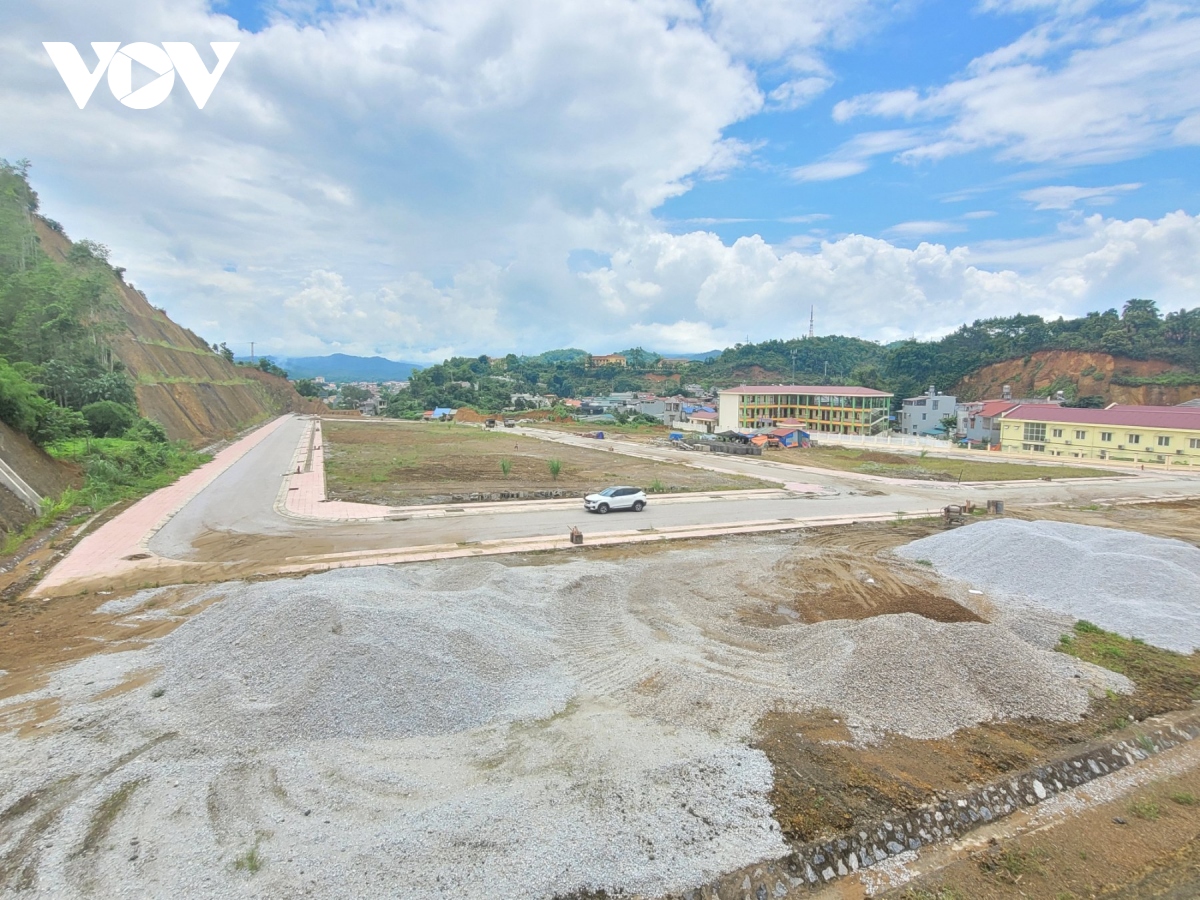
(1092,373)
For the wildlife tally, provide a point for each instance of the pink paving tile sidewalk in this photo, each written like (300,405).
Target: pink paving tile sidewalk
(303,492)
(103,551)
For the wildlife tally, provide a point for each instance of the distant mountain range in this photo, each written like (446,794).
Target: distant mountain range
(343,367)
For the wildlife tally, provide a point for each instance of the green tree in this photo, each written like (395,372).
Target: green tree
(352,396)
(106,418)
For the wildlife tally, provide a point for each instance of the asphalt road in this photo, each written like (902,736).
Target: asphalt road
(241,501)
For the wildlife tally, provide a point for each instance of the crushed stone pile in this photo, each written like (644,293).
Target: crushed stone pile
(484,728)
(1130,583)
(366,654)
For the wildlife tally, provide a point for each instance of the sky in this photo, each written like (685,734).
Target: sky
(426,178)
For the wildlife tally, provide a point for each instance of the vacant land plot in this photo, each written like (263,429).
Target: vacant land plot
(634,722)
(405,464)
(927,468)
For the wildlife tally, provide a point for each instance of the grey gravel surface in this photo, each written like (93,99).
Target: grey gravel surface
(1130,583)
(475,728)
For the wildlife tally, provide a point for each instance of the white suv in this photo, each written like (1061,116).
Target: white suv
(616,498)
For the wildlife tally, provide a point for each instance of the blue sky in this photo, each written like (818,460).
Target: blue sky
(423,177)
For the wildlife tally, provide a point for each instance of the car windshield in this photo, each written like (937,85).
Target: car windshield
(609,492)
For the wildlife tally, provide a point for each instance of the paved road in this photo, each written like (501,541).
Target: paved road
(241,502)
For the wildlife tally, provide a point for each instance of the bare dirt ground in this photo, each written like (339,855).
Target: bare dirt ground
(927,468)
(406,463)
(1140,845)
(696,610)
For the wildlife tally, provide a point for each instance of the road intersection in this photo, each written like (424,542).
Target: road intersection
(259,509)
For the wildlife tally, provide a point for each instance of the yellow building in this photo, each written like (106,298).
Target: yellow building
(820,409)
(1154,434)
(609,359)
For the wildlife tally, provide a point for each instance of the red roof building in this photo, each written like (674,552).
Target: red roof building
(1142,434)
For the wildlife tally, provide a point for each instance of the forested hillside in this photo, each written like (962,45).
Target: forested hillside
(1122,355)
(92,373)
(74,332)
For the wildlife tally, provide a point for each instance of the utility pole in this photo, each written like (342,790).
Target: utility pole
(252,352)
(812,314)
(793,365)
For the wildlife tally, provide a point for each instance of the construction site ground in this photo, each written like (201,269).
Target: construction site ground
(927,468)
(404,463)
(625,718)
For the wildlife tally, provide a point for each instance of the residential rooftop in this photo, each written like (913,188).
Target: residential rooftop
(1178,417)
(835,390)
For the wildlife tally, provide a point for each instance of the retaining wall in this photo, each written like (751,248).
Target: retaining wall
(814,865)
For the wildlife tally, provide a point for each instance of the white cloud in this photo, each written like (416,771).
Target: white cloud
(979,214)
(922,227)
(830,170)
(413,180)
(1070,91)
(1065,196)
(871,287)
(798,92)
(854,155)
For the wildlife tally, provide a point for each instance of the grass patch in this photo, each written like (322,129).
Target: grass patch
(922,467)
(1013,864)
(1145,809)
(251,861)
(121,469)
(115,469)
(1164,680)
(1183,798)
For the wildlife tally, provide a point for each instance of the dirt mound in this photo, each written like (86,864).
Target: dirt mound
(1091,373)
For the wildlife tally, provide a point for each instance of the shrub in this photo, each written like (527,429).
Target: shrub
(147,430)
(107,418)
(555,466)
(57,423)
(505,467)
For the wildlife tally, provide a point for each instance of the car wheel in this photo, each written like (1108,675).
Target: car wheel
(602,508)
(639,506)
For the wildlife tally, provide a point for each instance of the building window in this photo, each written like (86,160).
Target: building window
(1080,435)
(1057,432)
(1035,431)
(1106,436)
(923,417)
(1194,443)
(1134,439)
(1164,441)
(1036,448)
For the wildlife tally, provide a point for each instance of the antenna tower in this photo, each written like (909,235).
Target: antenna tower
(812,313)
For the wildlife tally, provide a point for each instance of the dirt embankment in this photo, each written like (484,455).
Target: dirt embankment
(47,476)
(1091,373)
(195,393)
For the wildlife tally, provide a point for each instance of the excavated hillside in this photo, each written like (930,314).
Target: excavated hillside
(1091,373)
(195,393)
(44,474)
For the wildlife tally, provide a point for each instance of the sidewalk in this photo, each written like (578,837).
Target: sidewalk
(120,544)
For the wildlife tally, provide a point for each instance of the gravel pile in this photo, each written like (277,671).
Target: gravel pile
(1126,582)
(484,729)
(366,653)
